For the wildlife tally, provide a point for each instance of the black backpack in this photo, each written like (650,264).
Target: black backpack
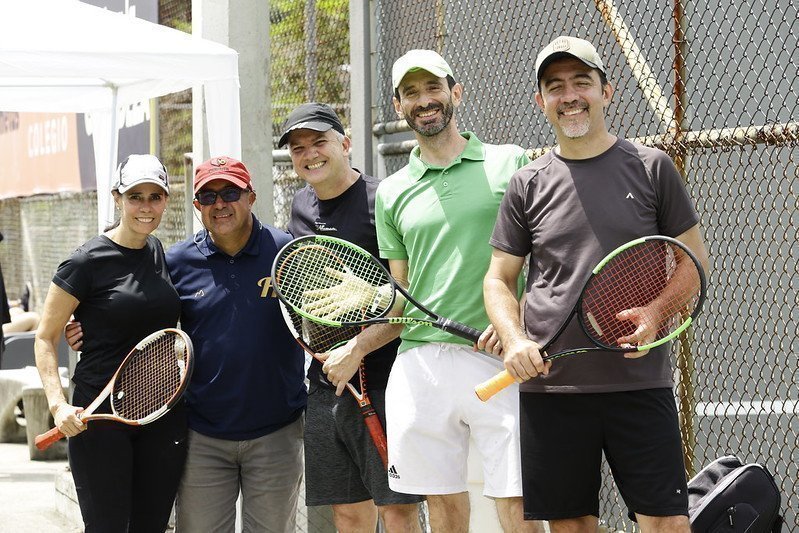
(730,497)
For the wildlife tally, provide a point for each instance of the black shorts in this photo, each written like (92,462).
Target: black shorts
(563,437)
(342,465)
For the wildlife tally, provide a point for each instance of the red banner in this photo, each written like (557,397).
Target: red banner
(38,153)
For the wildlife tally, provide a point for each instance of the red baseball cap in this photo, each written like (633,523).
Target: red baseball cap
(222,168)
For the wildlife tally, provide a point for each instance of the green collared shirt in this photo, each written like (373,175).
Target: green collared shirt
(440,219)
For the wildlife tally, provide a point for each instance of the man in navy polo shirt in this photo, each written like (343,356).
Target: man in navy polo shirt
(247,395)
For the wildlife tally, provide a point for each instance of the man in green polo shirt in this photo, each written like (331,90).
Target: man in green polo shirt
(434,218)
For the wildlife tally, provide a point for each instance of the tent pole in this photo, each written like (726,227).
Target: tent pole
(114,133)
(112,157)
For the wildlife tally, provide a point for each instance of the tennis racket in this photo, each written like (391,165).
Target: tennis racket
(336,283)
(317,338)
(148,383)
(652,284)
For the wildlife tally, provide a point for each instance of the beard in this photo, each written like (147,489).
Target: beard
(434,128)
(574,129)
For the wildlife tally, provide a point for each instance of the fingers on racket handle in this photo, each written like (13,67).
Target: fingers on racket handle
(461,330)
(489,388)
(45,440)
(378,437)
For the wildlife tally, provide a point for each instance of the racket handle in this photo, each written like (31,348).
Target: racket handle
(45,440)
(490,387)
(461,330)
(378,435)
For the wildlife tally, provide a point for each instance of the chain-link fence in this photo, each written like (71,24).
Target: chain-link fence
(714,84)
(174,110)
(309,57)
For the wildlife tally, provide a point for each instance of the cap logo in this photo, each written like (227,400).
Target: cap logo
(219,162)
(560,45)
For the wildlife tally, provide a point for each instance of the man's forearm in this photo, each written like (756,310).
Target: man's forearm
(503,311)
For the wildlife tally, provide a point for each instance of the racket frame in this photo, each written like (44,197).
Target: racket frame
(435,320)
(46,439)
(367,410)
(490,387)
(644,347)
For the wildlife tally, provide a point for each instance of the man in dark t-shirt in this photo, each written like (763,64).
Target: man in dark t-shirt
(567,210)
(342,465)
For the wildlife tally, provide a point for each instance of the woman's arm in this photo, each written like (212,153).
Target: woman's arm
(58,307)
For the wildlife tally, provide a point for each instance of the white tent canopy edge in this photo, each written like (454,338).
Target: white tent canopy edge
(67,56)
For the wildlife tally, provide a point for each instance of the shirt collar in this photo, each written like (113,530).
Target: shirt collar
(474,151)
(207,247)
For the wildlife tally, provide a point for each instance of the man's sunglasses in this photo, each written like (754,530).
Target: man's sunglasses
(228,194)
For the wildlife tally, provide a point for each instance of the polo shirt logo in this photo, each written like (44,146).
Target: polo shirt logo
(266,287)
(199,294)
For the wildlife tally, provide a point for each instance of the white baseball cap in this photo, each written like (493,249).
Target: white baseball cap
(565,46)
(414,60)
(140,168)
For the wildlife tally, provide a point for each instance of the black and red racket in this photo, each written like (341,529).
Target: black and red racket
(318,338)
(641,295)
(148,383)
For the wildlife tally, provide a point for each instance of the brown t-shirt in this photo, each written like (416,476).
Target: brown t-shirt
(568,214)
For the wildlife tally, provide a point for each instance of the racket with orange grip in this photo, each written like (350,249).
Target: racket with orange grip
(641,295)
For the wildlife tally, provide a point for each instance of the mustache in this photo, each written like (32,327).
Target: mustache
(569,107)
(430,107)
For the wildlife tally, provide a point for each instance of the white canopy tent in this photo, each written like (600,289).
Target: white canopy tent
(67,56)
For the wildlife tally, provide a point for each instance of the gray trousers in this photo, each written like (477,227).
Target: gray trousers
(266,470)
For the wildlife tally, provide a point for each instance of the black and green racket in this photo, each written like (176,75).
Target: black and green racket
(336,283)
(641,295)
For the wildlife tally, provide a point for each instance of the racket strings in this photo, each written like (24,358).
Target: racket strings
(151,377)
(333,282)
(653,272)
(318,337)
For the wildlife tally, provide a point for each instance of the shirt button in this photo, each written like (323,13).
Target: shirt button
(233,276)
(232,261)
(446,184)
(446,172)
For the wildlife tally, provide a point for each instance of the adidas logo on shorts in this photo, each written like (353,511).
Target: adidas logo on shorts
(392,472)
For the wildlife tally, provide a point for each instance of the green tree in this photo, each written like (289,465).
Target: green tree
(310,52)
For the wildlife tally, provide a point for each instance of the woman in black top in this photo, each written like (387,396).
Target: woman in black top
(118,287)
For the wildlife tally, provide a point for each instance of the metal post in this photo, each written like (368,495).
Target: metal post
(311,67)
(685,359)
(361,85)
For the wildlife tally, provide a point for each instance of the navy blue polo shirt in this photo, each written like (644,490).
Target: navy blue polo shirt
(248,377)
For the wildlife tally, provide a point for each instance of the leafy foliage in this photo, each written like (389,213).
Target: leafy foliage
(310,52)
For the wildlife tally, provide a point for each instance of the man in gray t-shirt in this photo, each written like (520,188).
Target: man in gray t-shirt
(567,210)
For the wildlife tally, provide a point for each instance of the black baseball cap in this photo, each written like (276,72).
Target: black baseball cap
(311,116)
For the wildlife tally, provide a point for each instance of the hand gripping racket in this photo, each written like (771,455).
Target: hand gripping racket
(317,338)
(641,295)
(148,383)
(336,283)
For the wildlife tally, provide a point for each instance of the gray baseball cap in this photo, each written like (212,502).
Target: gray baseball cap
(565,46)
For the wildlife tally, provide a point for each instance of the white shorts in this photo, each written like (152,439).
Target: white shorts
(432,411)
